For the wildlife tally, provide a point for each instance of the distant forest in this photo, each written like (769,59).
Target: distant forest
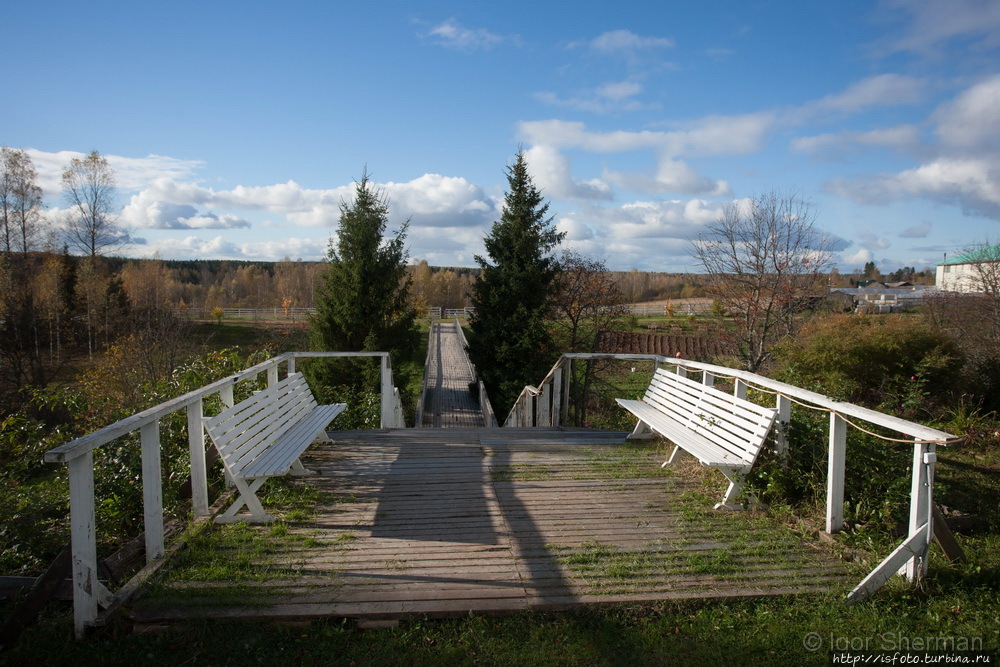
(292,284)
(287,284)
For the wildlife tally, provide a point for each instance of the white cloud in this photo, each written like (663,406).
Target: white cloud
(880,90)
(859,258)
(608,98)
(440,201)
(934,23)
(964,164)
(455,36)
(836,145)
(195,247)
(550,170)
(672,176)
(971,122)
(973,184)
(130,173)
(712,135)
(431,199)
(626,41)
(619,90)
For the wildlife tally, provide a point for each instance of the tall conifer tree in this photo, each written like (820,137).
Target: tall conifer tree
(510,345)
(363,301)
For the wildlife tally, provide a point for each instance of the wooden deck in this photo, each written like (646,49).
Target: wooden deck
(444,522)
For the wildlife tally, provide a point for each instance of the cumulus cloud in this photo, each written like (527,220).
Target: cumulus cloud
(130,173)
(971,123)
(972,184)
(431,199)
(859,258)
(963,166)
(142,212)
(672,176)
(650,235)
(195,247)
(440,201)
(550,170)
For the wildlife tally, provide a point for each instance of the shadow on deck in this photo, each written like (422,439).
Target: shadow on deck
(444,522)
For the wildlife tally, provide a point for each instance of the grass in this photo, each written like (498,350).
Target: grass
(770,631)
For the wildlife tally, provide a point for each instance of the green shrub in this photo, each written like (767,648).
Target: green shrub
(34,495)
(887,362)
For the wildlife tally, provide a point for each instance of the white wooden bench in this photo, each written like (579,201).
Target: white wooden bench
(719,429)
(263,436)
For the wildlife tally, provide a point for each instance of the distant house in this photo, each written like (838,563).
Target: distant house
(969,271)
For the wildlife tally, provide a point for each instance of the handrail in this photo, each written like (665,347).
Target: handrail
(88,592)
(547,404)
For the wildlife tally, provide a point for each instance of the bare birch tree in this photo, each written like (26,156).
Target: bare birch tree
(763,260)
(89,188)
(20,203)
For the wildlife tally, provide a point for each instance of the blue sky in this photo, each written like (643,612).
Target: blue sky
(236,129)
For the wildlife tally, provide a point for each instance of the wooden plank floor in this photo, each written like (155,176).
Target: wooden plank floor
(445,522)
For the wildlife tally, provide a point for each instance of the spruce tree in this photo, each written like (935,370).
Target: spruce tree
(363,300)
(510,344)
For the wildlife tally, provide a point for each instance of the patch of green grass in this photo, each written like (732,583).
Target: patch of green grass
(521,472)
(629,461)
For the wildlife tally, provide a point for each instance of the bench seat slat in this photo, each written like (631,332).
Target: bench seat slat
(248,445)
(715,425)
(277,460)
(703,449)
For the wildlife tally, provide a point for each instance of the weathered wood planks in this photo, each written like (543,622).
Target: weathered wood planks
(446,522)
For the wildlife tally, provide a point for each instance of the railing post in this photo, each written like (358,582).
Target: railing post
(740,389)
(568,384)
(272,375)
(84,540)
(226,395)
(291,364)
(835,474)
(556,397)
(784,405)
(152,489)
(196,449)
(708,379)
(921,517)
(543,405)
(387,408)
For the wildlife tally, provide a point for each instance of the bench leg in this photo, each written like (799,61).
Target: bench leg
(641,432)
(730,499)
(673,456)
(299,470)
(248,498)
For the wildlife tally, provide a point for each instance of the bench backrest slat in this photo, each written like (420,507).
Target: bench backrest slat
(734,424)
(245,430)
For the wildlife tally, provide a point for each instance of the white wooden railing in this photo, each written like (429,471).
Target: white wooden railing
(89,594)
(547,405)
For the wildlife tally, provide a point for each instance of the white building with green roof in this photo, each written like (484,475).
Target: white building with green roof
(973,271)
